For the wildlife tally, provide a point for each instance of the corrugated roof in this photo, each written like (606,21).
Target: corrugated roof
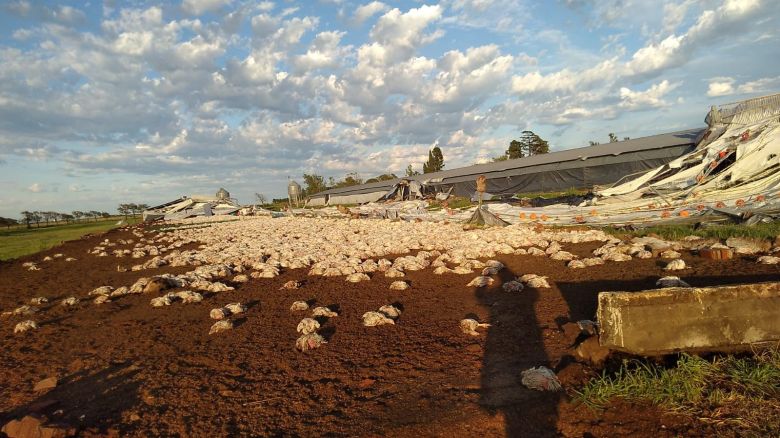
(660,141)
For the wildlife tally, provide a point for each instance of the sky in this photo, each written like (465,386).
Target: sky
(109,102)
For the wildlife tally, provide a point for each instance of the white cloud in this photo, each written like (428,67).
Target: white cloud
(720,87)
(368,10)
(650,98)
(725,86)
(198,7)
(35,188)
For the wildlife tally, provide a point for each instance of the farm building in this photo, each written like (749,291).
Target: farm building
(557,171)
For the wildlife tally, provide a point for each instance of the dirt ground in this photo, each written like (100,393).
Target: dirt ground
(127,369)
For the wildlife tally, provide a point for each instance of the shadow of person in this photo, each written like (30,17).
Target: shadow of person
(94,400)
(515,343)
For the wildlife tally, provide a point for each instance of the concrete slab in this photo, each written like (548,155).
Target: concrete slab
(661,321)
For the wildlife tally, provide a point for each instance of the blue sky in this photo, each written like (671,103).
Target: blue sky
(140,101)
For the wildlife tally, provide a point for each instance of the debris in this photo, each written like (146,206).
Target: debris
(35,426)
(43,385)
(671,281)
(39,300)
(588,327)
(540,379)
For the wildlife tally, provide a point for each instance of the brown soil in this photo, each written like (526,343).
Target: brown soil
(128,369)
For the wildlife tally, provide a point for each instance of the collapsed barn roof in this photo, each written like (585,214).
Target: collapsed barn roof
(561,170)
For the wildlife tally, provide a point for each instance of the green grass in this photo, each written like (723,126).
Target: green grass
(22,241)
(742,393)
(676,232)
(549,195)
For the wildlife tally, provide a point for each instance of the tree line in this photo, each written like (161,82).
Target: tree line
(36,217)
(131,209)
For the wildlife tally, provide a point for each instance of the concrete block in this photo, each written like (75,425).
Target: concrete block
(661,321)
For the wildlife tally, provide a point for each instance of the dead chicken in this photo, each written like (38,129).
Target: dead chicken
(188,296)
(37,301)
(299,306)
(512,286)
(373,319)
(324,311)
(391,311)
(221,326)
(292,284)
(399,285)
(25,325)
(535,281)
(307,326)
(540,379)
(469,326)
(357,277)
(481,281)
(236,308)
(675,265)
(70,301)
(219,313)
(309,341)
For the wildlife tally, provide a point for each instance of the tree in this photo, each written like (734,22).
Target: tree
(410,171)
(350,179)
(626,138)
(78,214)
(123,209)
(36,217)
(383,177)
(27,217)
(66,217)
(261,199)
(593,143)
(529,144)
(500,158)
(612,137)
(313,184)
(8,222)
(435,161)
(515,150)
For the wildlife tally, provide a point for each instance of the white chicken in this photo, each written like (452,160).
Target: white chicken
(298,306)
(469,326)
(308,325)
(373,319)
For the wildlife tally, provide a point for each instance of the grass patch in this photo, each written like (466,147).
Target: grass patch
(550,195)
(676,232)
(459,202)
(742,393)
(22,241)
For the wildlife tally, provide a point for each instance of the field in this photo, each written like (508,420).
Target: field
(19,240)
(126,368)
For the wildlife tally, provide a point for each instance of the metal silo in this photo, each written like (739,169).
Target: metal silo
(294,193)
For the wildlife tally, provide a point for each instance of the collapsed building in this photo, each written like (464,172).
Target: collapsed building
(192,206)
(556,171)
